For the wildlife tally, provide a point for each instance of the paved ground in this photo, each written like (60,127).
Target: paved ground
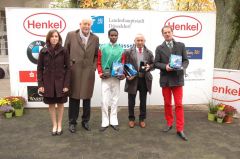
(28,137)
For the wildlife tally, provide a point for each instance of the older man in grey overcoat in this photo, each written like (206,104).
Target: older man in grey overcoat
(142,60)
(83,48)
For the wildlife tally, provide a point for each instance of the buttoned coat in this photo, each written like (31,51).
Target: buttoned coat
(131,57)
(83,64)
(53,71)
(162,55)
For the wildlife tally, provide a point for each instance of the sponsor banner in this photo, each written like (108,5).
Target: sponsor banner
(189,28)
(40,23)
(194,52)
(185,26)
(28,76)
(226,87)
(98,24)
(33,95)
(33,50)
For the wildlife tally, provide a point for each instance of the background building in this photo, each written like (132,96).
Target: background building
(4,71)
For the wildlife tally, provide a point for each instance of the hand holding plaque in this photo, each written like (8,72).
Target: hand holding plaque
(142,69)
(130,70)
(106,74)
(117,69)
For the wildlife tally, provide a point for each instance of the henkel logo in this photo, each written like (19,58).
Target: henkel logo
(40,23)
(226,90)
(184,26)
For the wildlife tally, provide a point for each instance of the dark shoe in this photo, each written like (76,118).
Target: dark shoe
(72,128)
(167,128)
(131,124)
(182,135)
(59,132)
(102,129)
(142,124)
(54,133)
(86,126)
(115,127)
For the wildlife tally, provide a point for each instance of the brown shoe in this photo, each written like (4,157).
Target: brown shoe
(142,124)
(131,124)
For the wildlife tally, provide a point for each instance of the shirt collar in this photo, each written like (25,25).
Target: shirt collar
(137,49)
(82,35)
(112,44)
(167,42)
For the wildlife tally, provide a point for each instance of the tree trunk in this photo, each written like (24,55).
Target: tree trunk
(227,51)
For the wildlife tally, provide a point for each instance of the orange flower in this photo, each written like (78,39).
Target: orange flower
(88,3)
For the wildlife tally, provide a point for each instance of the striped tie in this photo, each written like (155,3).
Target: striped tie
(170,45)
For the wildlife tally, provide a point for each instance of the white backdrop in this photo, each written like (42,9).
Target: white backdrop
(26,28)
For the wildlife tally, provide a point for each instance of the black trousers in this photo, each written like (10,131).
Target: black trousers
(142,88)
(73,110)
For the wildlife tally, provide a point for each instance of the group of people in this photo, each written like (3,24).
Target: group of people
(69,71)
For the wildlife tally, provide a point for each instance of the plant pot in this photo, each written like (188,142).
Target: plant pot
(8,115)
(211,117)
(228,119)
(19,112)
(220,120)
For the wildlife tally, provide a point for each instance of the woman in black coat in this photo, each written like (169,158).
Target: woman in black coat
(53,72)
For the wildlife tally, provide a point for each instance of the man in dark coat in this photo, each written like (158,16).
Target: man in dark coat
(139,54)
(172,80)
(83,48)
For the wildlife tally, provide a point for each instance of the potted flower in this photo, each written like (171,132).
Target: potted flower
(220,116)
(8,111)
(6,108)
(230,111)
(4,101)
(17,102)
(212,110)
(220,106)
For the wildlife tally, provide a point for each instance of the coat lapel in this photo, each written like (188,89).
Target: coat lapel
(174,49)
(134,57)
(165,49)
(145,54)
(79,39)
(90,39)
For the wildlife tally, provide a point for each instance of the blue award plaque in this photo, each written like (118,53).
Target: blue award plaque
(175,61)
(117,69)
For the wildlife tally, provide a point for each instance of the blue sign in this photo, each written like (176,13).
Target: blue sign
(98,24)
(194,52)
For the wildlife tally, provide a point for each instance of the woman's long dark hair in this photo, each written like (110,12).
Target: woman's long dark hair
(49,35)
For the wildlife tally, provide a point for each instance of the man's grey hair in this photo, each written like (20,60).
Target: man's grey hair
(140,35)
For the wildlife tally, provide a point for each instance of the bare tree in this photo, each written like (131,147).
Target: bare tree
(227,51)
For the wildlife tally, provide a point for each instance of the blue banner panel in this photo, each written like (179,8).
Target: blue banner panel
(194,52)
